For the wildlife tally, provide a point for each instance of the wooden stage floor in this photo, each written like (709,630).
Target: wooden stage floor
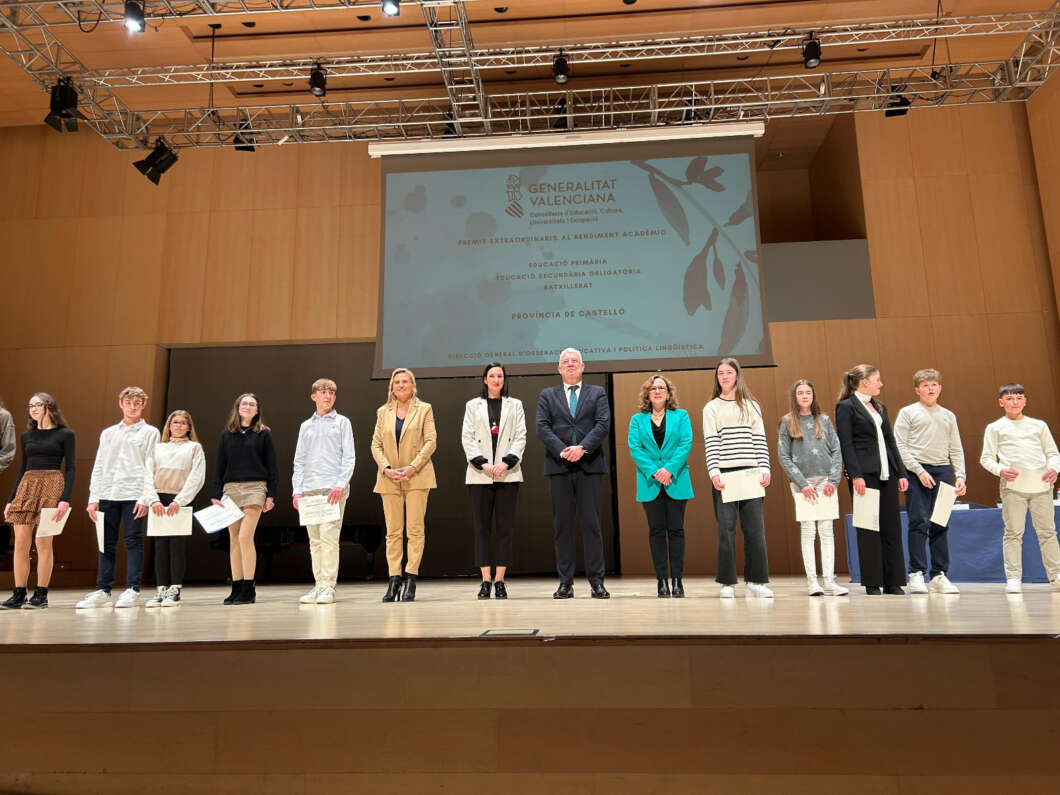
(448,610)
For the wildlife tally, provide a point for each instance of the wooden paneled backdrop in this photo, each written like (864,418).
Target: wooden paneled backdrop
(103,271)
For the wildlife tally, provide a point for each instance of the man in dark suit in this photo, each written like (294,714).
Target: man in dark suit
(573,421)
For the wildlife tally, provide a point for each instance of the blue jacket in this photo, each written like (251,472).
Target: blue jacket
(673,455)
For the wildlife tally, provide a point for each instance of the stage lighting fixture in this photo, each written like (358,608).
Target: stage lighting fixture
(560,69)
(897,106)
(62,110)
(561,121)
(811,52)
(690,114)
(158,162)
(243,139)
(391,7)
(318,81)
(134,16)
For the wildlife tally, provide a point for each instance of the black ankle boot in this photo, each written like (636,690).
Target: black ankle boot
(247,596)
(409,593)
(484,589)
(15,601)
(237,588)
(499,590)
(664,589)
(678,588)
(39,600)
(393,588)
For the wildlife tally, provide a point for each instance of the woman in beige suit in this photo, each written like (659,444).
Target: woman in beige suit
(402,445)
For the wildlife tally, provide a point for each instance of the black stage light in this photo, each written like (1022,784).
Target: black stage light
(158,162)
(243,139)
(318,81)
(134,16)
(690,114)
(62,110)
(811,53)
(391,7)
(560,69)
(897,106)
(560,119)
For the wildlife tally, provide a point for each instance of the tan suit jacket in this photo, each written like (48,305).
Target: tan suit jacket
(418,440)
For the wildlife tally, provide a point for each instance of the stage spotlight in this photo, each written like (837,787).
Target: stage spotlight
(560,69)
(897,106)
(690,114)
(318,81)
(243,139)
(392,7)
(560,119)
(158,162)
(134,16)
(811,52)
(62,110)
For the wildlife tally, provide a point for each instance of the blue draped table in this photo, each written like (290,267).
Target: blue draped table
(975,547)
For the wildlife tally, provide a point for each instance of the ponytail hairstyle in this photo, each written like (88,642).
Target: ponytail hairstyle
(853,377)
(744,398)
(792,418)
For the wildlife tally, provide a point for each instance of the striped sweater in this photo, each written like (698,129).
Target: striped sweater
(734,439)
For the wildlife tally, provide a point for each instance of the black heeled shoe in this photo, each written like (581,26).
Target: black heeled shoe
(664,589)
(409,592)
(678,589)
(484,589)
(393,587)
(499,591)
(237,588)
(248,595)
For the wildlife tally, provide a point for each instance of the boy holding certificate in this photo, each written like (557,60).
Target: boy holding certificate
(1020,451)
(930,446)
(323,465)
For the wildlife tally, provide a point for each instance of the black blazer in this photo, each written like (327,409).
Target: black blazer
(857,439)
(555,425)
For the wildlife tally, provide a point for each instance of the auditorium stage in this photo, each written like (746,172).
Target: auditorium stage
(447,610)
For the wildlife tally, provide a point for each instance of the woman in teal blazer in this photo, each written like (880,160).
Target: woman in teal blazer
(660,439)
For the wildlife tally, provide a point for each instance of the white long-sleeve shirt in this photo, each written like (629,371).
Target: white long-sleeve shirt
(1024,444)
(929,435)
(325,456)
(121,462)
(177,467)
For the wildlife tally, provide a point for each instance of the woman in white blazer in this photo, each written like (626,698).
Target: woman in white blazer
(494,439)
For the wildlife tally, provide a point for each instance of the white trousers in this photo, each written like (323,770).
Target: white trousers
(324,546)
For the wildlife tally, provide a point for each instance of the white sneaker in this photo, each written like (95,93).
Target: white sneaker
(326,596)
(128,598)
(172,596)
(1013,586)
(96,599)
(727,592)
(759,590)
(158,598)
(916,582)
(832,588)
(813,588)
(1055,584)
(941,584)
(309,598)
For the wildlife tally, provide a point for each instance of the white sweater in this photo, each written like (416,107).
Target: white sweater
(177,467)
(1024,444)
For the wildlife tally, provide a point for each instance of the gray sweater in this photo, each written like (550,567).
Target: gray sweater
(809,456)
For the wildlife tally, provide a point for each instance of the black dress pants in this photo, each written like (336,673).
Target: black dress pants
(577,494)
(489,500)
(880,554)
(666,537)
(169,554)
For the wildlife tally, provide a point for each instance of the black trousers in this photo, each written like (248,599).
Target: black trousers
(880,554)
(749,515)
(666,523)
(489,501)
(169,552)
(577,494)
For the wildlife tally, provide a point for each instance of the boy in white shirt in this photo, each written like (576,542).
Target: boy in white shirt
(1019,447)
(116,493)
(931,449)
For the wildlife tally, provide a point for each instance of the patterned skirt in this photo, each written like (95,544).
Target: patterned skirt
(40,488)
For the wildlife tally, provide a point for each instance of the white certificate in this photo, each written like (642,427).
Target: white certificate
(1029,481)
(820,510)
(48,526)
(743,484)
(315,509)
(99,530)
(217,517)
(943,504)
(165,525)
(867,510)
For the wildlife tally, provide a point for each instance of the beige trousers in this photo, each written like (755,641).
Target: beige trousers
(404,515)
(324,545)
(1014,507)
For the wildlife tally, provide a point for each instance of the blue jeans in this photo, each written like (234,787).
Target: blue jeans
(117,513)
(919,503)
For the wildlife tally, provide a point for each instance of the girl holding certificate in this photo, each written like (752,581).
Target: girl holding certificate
(872,461)
(47,446)
(808,450)
(735,440)
(174,476)
(246,474)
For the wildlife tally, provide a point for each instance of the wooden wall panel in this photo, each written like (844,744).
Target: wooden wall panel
(785,205)
(315,293)
(936,144)
(60,176)
(892,218)
(1003,236)
(182,292)
(21,156)
(951,257)
(226,285)
(271,275)
(358,271)
(93,280)
(835,182)
(275,176)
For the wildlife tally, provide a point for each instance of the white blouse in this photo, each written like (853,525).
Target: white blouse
(885,467)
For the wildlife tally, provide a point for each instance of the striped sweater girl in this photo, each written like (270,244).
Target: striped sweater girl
(734,439)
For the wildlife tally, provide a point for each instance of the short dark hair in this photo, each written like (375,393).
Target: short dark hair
(1011,389)
(485,389)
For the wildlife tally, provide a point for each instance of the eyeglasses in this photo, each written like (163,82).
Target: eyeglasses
(32,406)
(659,389)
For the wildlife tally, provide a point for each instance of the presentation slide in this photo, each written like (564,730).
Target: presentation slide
(641,261)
